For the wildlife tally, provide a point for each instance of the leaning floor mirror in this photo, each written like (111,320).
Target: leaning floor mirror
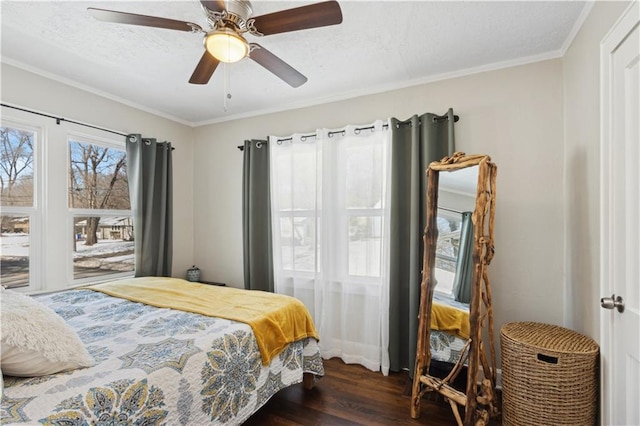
(455,293)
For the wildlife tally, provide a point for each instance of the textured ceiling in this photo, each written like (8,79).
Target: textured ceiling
(380,45)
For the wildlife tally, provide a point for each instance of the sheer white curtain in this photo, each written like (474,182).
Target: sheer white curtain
(330,218)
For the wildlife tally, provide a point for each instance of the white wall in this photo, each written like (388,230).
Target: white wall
(582,168)
(515,115)
(28,90)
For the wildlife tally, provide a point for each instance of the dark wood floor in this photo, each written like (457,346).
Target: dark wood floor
(351,395)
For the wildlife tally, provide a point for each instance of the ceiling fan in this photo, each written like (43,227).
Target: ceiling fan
(229,20)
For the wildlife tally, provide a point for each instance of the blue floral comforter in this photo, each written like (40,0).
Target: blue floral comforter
(447,347)
(154,366)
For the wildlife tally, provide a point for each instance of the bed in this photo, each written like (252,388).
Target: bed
(449,328)
(160,365)
(448,337)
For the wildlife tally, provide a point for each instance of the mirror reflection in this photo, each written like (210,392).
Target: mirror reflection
(456,202)
(453,264)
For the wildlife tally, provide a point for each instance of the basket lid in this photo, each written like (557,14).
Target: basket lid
(550,337)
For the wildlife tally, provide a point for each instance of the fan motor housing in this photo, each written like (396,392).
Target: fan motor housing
(237,13)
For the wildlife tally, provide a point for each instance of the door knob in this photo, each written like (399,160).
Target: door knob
(613,302)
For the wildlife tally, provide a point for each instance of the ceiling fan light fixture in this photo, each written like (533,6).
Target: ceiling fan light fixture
(226,45)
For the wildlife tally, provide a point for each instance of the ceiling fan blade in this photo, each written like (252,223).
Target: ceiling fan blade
(214,5)
(299,18)
(277,66)
(144,20)
(204,70)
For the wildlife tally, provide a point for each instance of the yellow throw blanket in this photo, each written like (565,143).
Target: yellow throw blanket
(450,319)
(276,319)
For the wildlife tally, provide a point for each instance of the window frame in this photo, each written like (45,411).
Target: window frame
(369,213)
(350,142)
(73,213)
(35,211)
(292,215)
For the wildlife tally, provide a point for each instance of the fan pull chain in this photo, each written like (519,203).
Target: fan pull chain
(227,90)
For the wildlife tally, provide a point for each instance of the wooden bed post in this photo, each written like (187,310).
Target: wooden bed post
(308,380)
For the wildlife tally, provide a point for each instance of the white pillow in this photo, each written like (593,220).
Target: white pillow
(35,340)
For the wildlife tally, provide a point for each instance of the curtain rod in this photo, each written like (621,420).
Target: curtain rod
(452,210)
(59,119)
(359,129)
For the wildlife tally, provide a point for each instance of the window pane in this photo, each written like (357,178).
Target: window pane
(98,177)
(286,242)
(113,249)
(304,181)
(447,248)
(14,259)
(282,166)
(297,180)
(364,245)
(448,243)
(364,174)
(16,166)
(304,248)
(298,243)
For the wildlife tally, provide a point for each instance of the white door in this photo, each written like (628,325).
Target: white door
(620,213)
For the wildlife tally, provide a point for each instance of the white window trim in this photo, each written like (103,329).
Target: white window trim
(36,211)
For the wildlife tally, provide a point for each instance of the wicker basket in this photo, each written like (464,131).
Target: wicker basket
(549,375)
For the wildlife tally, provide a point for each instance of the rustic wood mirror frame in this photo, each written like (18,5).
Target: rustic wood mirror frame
(479,400)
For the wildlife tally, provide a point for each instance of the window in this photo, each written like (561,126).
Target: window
(298,223)
(447,249)
(18,176)
(100,208)
(64,204)
(330,228)
(363,179)
(353,188)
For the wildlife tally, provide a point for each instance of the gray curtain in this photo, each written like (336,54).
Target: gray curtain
(256,217)
(149,170)
(464,264)
(415,143)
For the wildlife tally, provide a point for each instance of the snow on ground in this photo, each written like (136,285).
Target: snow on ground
(17,245)
(103,247)
(14,245)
